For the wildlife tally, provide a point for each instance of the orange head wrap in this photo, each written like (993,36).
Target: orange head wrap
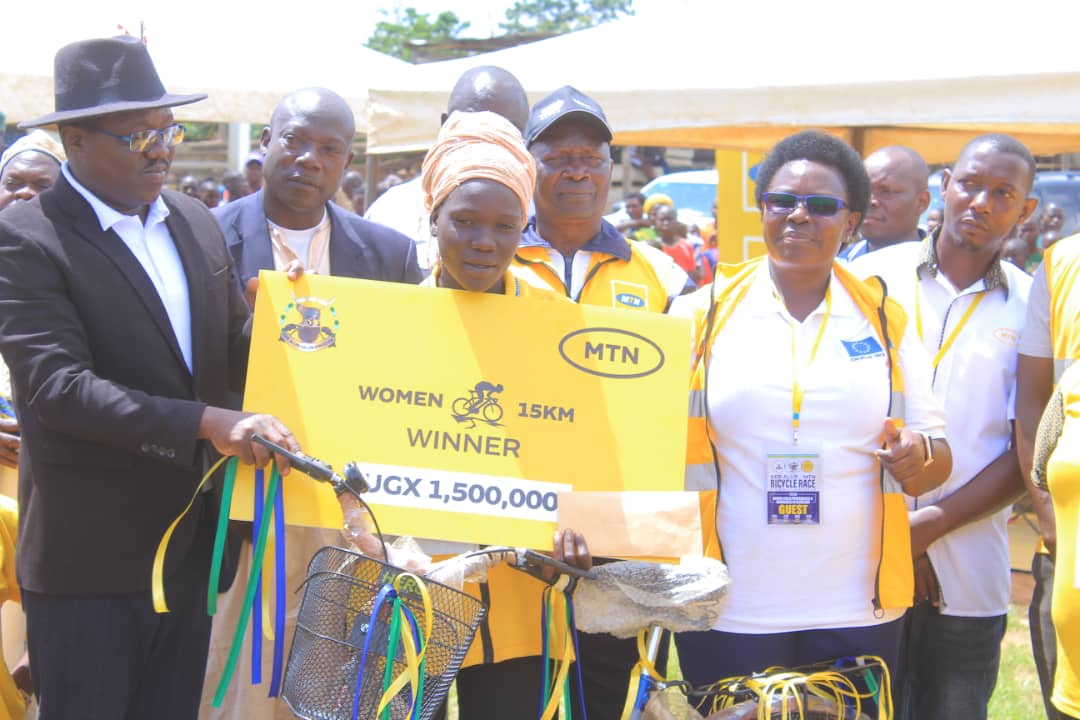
(478,145)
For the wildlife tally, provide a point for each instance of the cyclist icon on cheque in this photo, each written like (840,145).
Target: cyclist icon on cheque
(481,404)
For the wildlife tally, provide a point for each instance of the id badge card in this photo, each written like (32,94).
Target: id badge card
(793,486)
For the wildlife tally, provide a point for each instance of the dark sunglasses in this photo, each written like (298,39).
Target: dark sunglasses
(782,203)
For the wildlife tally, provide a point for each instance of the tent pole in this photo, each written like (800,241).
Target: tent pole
(238,143)
(370,167)
(858,140)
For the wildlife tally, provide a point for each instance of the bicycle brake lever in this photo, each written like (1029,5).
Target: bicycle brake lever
(318,470)
(354,480)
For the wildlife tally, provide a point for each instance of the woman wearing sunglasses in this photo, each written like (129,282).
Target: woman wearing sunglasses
(478,180)
(811,409)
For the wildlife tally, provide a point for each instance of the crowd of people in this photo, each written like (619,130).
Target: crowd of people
(866,397)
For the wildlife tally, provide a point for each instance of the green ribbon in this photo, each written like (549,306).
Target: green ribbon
(249,593)
(391,652)
(219,538)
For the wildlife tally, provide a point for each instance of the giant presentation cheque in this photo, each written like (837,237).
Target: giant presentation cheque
(468,412)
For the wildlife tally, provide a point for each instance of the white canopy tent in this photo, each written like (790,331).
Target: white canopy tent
(742,75)
(245,56)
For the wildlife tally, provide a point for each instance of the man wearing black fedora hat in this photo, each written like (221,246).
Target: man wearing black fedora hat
(124,328)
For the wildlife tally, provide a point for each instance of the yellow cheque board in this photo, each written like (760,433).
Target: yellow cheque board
(469,412)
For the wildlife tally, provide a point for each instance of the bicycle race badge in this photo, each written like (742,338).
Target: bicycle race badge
(480,404)
(313,331)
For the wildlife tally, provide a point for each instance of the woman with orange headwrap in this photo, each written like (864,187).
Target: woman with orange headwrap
(478,180)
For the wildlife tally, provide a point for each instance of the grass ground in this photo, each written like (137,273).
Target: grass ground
(1017,695)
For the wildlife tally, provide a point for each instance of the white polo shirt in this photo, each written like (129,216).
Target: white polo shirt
(152,245)
(401,207)
(1035,340)
(976,382)
(799,577)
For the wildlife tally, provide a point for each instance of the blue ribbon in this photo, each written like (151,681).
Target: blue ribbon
(577,656)
(385,593)
(545,658)
(279,589)
(256,605)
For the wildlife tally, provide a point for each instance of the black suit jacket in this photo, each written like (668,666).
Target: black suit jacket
(359,248)
(109,410)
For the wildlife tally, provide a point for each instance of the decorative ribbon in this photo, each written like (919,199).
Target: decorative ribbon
(790,687)
(279,592)
(157,575)
(414,645)
(415,650)
(249,594)
(219,538)
(552,691)
(387,591)
(637,695)
(257,601)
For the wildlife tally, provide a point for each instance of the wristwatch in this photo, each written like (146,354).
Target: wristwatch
(928,449)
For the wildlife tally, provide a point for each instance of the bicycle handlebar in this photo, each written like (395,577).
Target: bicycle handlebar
(354,480)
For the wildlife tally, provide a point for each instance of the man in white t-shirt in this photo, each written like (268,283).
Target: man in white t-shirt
(402,206)
(968,308)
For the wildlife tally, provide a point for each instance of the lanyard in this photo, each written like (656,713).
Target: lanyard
(796,386)
(956,330)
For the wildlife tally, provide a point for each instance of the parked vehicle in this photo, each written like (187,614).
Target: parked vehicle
(692,191)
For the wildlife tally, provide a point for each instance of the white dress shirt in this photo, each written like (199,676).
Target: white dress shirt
(153,246)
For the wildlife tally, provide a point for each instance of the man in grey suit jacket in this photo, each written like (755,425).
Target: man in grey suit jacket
(124,329)
(291,223)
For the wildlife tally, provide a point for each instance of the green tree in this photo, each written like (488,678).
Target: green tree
(392,36)
(562,16)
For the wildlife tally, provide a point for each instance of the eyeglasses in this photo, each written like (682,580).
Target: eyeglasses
(782,203)
(141,140)
(562,161)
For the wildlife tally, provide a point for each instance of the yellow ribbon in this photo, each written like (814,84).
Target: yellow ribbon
(956,330)
(413,655)
(157,579)
(269,577)
(562,665)
(788,686)
(644,666)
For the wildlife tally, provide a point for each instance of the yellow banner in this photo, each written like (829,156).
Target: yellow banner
(468,412)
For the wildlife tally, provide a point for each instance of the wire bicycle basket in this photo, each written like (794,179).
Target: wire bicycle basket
(356,622)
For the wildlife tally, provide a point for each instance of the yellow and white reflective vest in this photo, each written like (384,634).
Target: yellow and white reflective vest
(711,309)
(620,274)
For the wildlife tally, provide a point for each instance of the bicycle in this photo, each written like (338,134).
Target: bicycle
(351,612)
(373,640)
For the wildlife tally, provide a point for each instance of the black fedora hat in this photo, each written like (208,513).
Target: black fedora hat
(102,76)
